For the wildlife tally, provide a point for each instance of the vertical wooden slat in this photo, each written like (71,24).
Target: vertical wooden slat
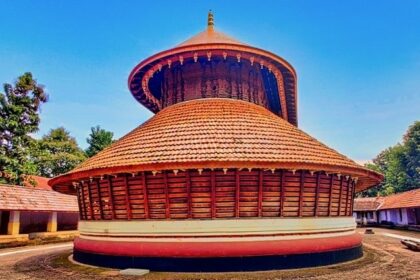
(282,180)
(83,202)
(260,192)
(98,187)
(111,197)
(188,187)
(301,187)
(353,188)
(79,200)
(145,197)
(237,193)
(340,193)
(331,193)
(127,197)
(166,187)
(347,197)
(213,194)
(318,183)
(92,214)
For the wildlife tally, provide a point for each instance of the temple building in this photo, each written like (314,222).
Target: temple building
(220,178)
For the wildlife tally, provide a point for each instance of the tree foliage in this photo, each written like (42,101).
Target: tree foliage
(412,155)
(56,153)
(400,165)
(98,140)
(19,117)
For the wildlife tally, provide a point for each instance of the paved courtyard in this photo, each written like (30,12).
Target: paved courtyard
(385,258)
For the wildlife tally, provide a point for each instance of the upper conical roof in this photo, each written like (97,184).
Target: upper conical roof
(210,36)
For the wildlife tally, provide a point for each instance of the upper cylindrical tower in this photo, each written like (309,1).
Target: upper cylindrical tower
(212,64)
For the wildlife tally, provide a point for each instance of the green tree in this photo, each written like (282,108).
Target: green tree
(411,142)
(56,153)
(98,140)
(19,117)
(400,165)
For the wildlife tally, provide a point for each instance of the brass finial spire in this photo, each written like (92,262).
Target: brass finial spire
(210,20)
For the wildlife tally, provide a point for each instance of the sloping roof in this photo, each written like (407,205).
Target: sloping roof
(217,133)
(33,181)
(402,200)
(367,203)
(33,199)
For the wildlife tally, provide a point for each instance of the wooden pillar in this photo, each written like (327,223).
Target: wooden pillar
(98,188)
(353,188)
(145,196)
(302,185)
(340,193)
(331,193)
(282,180)
(92,213)
(237,193)
(111,198)
(188,187)
(14,223)
(52,222)
(79,201)
(82,194)
(318,182)
(127,197)
(166,189)
(260,192)
(213,194)
(347,197)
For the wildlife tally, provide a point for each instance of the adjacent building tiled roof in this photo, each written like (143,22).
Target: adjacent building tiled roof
(367,203)
(33,181)
(402,200)
(217,133)
(33,199)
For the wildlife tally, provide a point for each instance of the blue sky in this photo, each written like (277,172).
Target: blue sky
(358,62)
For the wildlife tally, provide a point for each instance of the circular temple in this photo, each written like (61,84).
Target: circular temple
(221,178)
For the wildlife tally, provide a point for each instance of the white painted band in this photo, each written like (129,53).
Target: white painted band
(216,239)
(225,227)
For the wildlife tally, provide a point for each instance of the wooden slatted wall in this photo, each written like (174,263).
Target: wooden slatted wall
(216,194)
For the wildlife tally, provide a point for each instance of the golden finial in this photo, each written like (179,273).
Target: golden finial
(210,20)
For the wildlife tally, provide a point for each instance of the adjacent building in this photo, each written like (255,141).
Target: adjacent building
(220,178)
(35,207)
(401,210)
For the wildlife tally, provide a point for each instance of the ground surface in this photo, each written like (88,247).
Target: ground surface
(385,258)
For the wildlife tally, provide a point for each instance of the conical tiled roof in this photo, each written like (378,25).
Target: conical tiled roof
(217,133)
(210,36)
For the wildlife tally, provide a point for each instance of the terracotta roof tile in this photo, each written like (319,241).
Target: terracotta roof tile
(218,132)
(33,199)
(367,203)
(33,181)
(402,200)
(210,36)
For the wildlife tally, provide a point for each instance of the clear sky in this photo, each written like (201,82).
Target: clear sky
(358,62)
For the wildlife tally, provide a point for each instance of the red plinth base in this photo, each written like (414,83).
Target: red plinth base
(229,254)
